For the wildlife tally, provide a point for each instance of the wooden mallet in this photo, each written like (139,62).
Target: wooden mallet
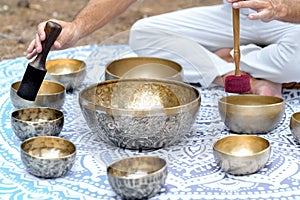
(36,70)
(237,83)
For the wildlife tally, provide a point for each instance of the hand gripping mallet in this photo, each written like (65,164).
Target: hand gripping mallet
(36,70)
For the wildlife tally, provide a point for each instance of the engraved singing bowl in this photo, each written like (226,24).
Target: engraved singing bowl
(295,126)
(37,121)
(139,177)
(143,67)
(140,113)
(251,113)
(67,71)
(241,154)
(48,156)
(51,94)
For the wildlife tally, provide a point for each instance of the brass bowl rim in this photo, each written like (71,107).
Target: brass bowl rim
(197,99)
(42,94)
(52,137)
(82,66)
(222,100)
(161,169)
(296,119)
(61,114)
(179,70)
(246,136)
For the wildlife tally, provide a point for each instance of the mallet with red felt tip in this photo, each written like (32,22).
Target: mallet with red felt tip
(36,70)
(237,83)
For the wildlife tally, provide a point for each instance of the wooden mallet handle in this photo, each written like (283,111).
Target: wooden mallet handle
(236,40)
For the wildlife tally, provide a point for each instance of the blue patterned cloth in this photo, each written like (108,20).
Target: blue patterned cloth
(193,173)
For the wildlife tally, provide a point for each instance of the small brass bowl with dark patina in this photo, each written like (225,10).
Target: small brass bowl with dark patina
(37,121)
(143,67)
(140,177)
(140,113)
(241,154)
(251,113)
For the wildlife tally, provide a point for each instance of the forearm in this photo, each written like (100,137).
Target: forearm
(97,13)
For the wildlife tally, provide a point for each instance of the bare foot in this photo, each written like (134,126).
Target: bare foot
(264,87)
(258,86)
(225,54)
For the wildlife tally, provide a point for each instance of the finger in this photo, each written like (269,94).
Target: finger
(38,45)
(57,45)
(263,15)
(246,4)
(31,54)
(253,16)
(41,31)
(31,46)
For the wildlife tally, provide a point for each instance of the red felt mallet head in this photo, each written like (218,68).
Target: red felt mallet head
(237,83)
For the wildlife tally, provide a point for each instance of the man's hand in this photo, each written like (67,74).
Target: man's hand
(66,38)
(267,10)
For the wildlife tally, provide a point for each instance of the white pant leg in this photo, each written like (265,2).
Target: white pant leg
(272,52)
(187,38)
(190,36)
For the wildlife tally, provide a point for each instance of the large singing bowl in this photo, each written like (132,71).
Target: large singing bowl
(140,113)
(251,113)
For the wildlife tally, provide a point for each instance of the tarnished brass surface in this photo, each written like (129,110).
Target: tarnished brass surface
(69,72)
(37,121)
(137,177)
(51,94)
(295,126)
(241,154)
(143,67)
(251,113)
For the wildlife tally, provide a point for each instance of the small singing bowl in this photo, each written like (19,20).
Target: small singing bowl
(251,113)
(295,126)
(69,72)
(241,154)
(51,94)
(140,177)
(143,67)
(48,156)
(37,121)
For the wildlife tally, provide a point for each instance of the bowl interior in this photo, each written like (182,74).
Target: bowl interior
(64,66)
(136,167)
(251,100)
(139,94)
(47,88)
(241,146)
(143,67)
(37,114)
(48,147)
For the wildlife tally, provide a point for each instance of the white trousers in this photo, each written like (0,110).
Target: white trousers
(189,37)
